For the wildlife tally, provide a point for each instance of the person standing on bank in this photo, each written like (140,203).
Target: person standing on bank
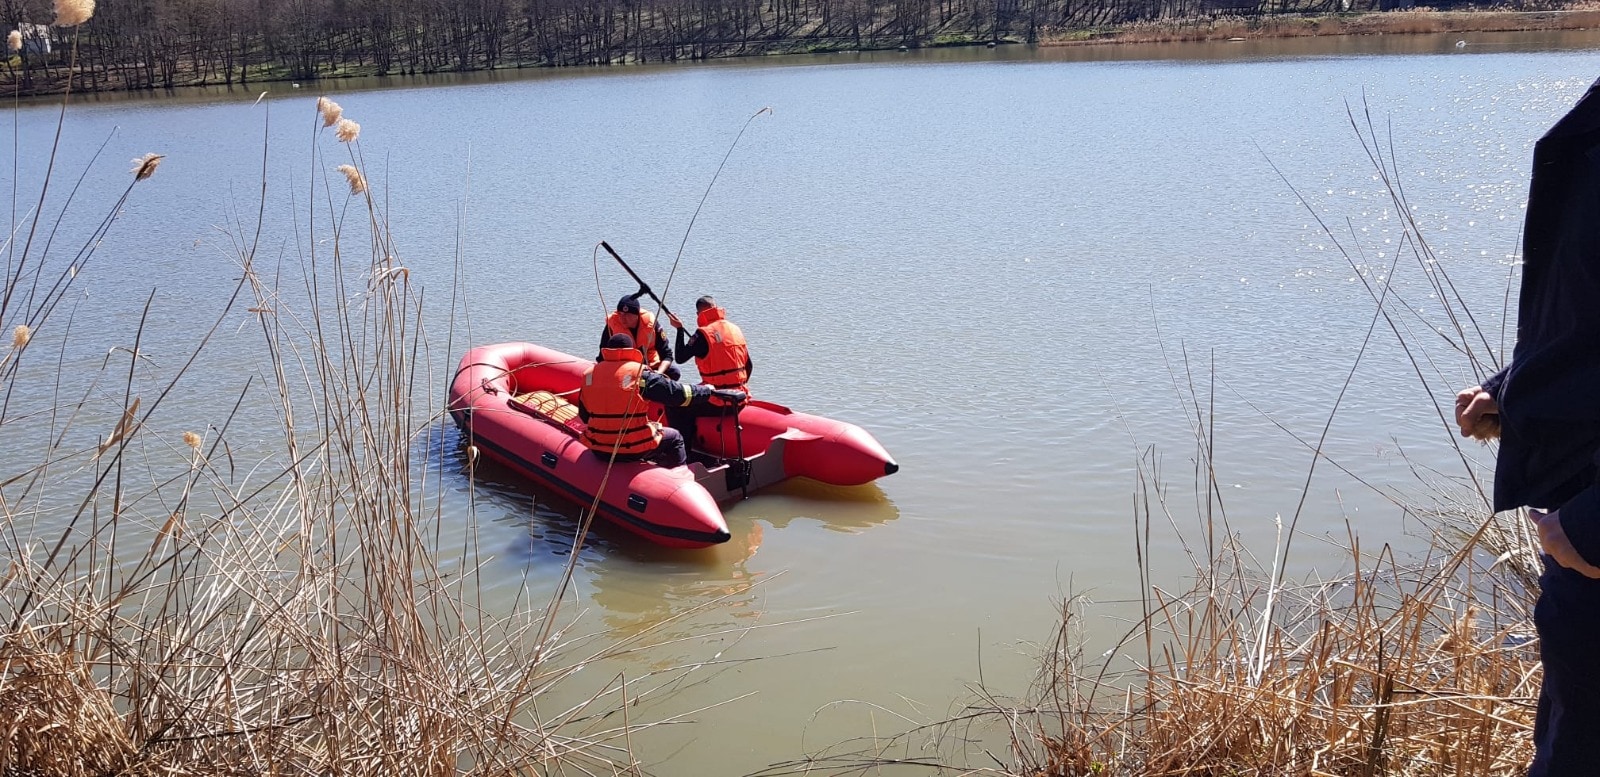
(613,403)
(1545,408)
(718,347)
(641,325)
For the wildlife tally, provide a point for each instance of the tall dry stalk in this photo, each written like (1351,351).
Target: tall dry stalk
(1418,666)
(171,606)
(1423,666)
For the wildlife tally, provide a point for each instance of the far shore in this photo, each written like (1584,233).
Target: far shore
(49,83)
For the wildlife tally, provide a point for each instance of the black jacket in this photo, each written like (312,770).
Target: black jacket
(1549,395)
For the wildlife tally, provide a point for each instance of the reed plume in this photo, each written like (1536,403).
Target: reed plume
(145,166)
(347,130)
(329,111)
(71,13)
(224,652)
(358,182)
(14,41)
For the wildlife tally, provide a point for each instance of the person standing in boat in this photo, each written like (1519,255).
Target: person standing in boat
(613,403)
(1543,409)
(647,334)
(718,347)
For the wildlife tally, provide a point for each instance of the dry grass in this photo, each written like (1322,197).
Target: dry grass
(197,604)
(1420,21)
(1422,669)
(1424,666)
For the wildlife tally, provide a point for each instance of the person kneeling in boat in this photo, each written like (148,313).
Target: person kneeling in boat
(718,347)
(648,336)
(614,404)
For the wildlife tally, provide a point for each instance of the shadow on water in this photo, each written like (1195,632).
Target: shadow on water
(637,584)
(503,496)
(848,509)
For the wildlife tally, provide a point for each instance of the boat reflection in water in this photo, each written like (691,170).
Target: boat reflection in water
(657,593)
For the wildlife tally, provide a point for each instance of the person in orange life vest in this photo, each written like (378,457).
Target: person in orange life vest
(613,401)
(641,325)
(718,348)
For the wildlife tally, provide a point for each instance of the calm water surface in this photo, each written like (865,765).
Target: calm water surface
(1010,266)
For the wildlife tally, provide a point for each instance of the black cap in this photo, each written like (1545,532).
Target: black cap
(619,341)
(628,304)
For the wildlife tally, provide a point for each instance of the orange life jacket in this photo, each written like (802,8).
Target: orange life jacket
(618,412)
(644,335)
(727,360)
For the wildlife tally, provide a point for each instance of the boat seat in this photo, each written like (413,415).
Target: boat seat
(550,407)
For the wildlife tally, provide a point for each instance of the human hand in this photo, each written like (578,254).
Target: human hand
(1553,541)
(673,319)
(1477,414)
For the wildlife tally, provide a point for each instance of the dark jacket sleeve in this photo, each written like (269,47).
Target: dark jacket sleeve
(1580,519)
(664,390)
(1580,515)
(1493,383)
(691,346)
(672,393)
(663,348)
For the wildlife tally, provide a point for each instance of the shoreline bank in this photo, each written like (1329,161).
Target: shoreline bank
(47,83)
(1417,22)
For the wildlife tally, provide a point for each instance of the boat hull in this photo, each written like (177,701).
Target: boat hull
(735,453)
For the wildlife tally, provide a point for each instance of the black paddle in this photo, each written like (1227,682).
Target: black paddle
(644,288)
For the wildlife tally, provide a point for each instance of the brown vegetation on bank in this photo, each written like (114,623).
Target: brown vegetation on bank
(179,598)
(1411,22)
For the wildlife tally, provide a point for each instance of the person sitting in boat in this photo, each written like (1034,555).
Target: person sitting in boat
(613,403)
(647,334)
(718,347)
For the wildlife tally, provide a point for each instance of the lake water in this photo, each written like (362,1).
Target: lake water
(1011,266)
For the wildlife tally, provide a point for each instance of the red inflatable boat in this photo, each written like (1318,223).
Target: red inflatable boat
(513,401)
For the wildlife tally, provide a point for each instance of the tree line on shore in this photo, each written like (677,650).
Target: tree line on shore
(151,44)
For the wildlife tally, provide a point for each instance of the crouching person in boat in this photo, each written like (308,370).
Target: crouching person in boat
(614,403)
(648,336)
(717,347)
(720,354)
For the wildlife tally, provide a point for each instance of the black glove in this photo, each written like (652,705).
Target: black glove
(727,397)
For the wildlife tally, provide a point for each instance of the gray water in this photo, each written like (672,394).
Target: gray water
(1010,266)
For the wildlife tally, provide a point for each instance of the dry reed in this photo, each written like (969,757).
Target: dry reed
(14,41)
(347,130)
(357,181)
(1426,667)
(1399,670)
(306,612)
(145,166)
(1405,667)
(71,13)
(329,111)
